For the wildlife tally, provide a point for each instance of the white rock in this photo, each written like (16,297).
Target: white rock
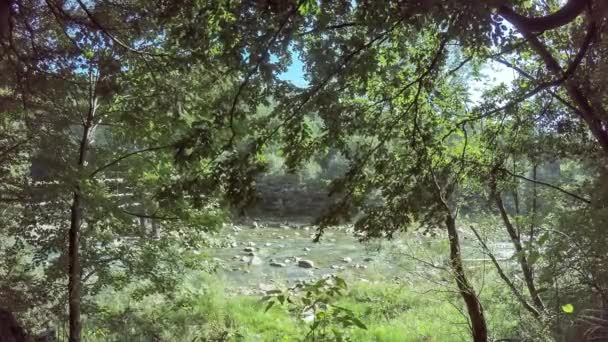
(347,260)
(255,261)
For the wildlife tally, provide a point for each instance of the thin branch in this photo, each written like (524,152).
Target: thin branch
(330,27)
(554,187)
(119,159)
(504,277)
(111,36)
(532,78)
(165,218)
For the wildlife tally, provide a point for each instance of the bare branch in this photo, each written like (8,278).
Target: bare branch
(504,277)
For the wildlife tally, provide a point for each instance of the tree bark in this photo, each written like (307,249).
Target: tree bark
(75,270)
(474,308)
(519,252)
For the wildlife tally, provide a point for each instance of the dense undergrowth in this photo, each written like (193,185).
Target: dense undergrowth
(201,310)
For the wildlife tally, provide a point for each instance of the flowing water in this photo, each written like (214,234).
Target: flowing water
(267,256)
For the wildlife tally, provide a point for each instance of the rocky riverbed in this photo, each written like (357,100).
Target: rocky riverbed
(270,255)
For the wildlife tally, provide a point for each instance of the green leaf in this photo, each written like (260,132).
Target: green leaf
(568,308)
(359,324)
(88,53)
(270,304)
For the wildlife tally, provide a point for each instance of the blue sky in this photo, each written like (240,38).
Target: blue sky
(295,73)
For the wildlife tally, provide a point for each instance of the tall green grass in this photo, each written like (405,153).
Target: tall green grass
(200,310)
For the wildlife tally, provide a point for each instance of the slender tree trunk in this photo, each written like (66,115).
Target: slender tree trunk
(532,234)
(75,267)
(519,250)
(474,308)
(155,230)
(75,270)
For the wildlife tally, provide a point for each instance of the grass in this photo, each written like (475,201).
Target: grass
(201,311)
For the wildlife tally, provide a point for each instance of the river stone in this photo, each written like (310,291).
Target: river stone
(347,260)
(277,264)
(248,249)
(266,287)
(251,244)
(337,267)
(368,259)
(306,249)
(255,261)
(306,263)
(268,244)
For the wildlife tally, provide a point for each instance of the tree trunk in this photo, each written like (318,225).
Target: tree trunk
(155,230)
(521,255)
(75,269)
(474,308)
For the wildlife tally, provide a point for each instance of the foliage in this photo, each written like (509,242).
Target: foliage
(329,321)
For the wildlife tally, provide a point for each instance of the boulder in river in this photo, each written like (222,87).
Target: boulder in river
(306,249)
(248,249)
(268,244)
(306,263)
(255,261)
(347,260)
(277,264)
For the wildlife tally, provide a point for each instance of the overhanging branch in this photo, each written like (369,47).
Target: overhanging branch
(563,16)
